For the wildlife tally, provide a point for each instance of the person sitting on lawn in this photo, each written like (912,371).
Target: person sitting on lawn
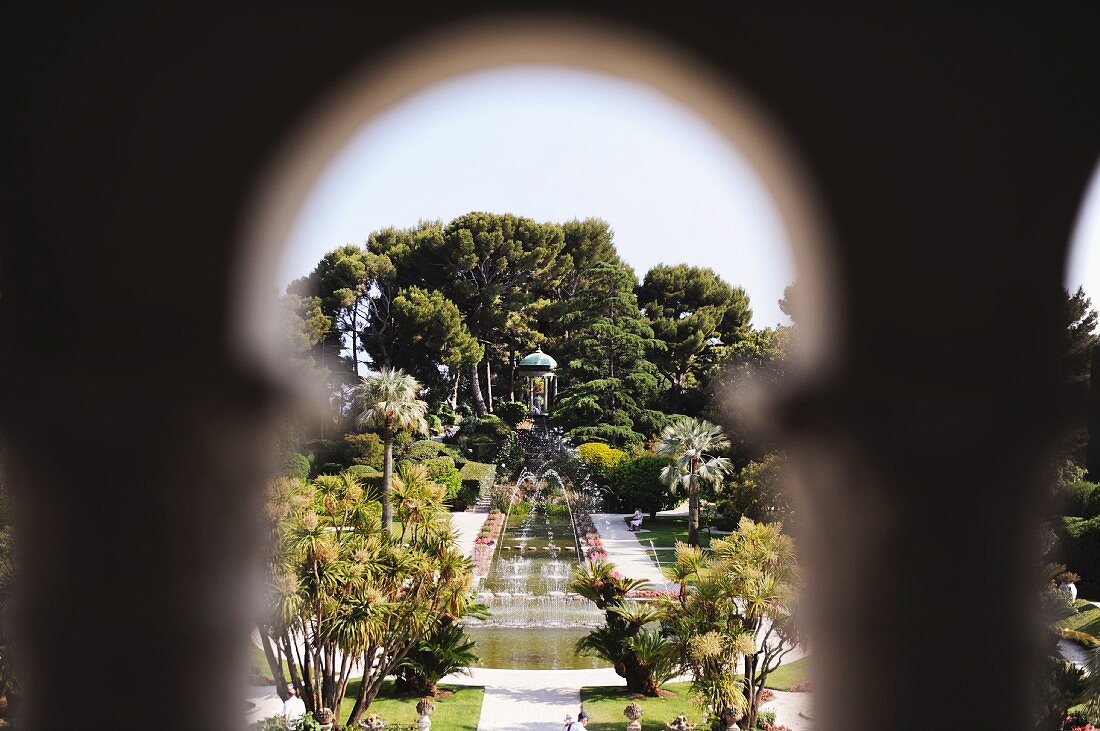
(636,519)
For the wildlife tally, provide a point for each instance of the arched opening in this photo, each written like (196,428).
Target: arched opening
(441,66)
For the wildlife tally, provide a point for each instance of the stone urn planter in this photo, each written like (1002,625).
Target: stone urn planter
(326,718)
(373,722)
(1067,583)
(424,709)
(730,717)
(633,711)
(680,723)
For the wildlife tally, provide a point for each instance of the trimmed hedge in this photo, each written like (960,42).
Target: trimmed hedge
(1080,549)
(1083,499)
(636,483)
(442,470)
(425,449)
(296,466)
(511,412)
(477,478)
(367,475)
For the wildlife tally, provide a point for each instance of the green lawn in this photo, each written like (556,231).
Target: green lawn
(666,530)
(1086,621)
(458,712)
(605,704)
(787,676)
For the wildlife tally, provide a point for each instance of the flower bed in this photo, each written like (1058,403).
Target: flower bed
(653,593)
(590,539)
(486,540)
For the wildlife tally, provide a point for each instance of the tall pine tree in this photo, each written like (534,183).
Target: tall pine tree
(609,382)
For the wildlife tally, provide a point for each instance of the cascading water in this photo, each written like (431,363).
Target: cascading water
(538,549)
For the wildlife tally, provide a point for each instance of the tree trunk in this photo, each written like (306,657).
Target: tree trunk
(361,701)
(750,690)
(475,391)
(292,663)
(387,478)
(274,665)
(488,385)
(512,375)
(454,389)
(639,679)
(693,516)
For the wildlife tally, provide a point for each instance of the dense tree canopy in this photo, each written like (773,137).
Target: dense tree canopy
(608,375)
(691,310)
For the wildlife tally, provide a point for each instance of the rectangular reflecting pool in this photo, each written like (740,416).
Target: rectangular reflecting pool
(532,648)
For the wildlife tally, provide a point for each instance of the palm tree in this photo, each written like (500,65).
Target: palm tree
(692,443)
(390,405)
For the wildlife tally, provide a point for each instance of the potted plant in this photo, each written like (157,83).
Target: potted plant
(1067,582)
(424,709)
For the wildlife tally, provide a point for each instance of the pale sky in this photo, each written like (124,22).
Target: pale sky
(1084,259)
(555,144)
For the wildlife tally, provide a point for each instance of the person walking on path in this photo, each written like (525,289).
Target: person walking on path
(580,724)
(294,709)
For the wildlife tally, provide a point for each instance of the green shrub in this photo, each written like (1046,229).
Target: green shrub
(500,498)
(636,483)
(296,465)
(477,478)
(364,449)
(435,424)
(511,412)
(442,470)
(1080,549)
(331,468)
(492,426)
(765,719)
(425,449)
(1082,499)
(368,476)
(326,451)
(600,460)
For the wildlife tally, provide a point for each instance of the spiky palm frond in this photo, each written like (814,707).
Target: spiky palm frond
(389,402)
(637,614)
(656,653)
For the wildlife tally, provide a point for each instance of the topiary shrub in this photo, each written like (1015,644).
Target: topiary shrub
(425,449)
(331,468)
(368,476)
(636,483)
(600,460)
(477,478)
(364,449)
(511,412)
(296,466)
(442,470)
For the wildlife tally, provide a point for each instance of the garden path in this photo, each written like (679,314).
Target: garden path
(466,527)
(624,549)
(531,700)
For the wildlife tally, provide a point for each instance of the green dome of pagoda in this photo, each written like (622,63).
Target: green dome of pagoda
(537,361)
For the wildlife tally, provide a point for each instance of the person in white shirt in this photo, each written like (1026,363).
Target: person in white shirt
(580,724)
(636,519)
(294,709)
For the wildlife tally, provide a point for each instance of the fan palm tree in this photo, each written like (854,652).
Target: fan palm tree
(692,443)
(389,404)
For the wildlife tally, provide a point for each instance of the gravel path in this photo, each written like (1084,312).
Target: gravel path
(625,551)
